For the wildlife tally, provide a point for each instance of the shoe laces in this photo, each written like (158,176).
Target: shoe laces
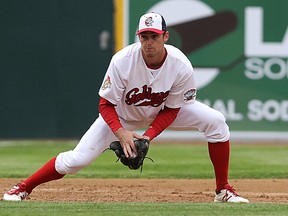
(20,187)
(232,190)
(229,193)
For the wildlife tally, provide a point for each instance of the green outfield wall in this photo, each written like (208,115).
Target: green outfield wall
(53,55)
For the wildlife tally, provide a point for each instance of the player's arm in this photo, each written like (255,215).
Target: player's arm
(164,118)
(110,116)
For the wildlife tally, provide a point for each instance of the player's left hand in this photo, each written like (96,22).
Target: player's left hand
(142,146)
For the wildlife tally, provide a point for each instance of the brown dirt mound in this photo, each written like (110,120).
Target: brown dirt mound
(152,190)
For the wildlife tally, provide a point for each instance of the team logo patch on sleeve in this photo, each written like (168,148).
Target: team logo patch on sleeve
(190,95)
(106,83)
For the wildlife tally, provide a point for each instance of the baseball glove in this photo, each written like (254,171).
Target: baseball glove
(142,146)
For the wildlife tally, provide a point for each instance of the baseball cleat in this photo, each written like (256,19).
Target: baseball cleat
(229,195)
(17,193)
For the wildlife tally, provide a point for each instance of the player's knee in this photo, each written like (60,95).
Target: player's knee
(70,162)
(217,129)
(218,119)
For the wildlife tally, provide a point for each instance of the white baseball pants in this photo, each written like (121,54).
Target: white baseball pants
(194,116)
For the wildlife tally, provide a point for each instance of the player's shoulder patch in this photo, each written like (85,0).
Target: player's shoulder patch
(106,83)
(190,95)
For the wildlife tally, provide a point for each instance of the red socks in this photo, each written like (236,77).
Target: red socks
(219,155)
(44,174)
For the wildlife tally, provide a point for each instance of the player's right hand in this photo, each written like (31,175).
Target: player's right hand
(126,138)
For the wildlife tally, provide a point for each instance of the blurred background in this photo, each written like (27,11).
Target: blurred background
(54,54)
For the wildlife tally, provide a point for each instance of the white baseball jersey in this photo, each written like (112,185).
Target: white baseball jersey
(140,92)
(139,96)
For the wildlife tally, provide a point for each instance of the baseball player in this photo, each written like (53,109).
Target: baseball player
(148,84)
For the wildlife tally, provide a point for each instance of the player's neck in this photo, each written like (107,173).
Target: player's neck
(155,63)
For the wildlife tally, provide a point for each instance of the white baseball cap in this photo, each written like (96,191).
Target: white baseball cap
(152,22)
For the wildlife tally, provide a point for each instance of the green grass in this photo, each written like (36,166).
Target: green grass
(136,209)
(20,158)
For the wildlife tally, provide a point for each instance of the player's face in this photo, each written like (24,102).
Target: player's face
(152,43)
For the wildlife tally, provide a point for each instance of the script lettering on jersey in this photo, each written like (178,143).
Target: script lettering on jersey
(145,97)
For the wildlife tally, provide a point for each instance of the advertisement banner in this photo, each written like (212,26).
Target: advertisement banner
(239,50)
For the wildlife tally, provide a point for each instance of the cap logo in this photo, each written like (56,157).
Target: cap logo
(149,21)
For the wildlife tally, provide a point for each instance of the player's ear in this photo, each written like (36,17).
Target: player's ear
(166,36)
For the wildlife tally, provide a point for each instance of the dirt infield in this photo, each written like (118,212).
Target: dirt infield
(152,190)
